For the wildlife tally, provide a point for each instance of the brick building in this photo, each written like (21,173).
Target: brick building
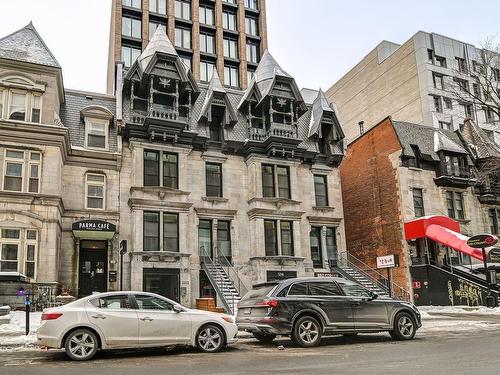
(397,172)
(229,35)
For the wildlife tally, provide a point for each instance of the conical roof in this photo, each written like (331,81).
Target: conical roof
(478,141)
(158,43)
(266,72)
(215,86)
(27,45)
(319,107)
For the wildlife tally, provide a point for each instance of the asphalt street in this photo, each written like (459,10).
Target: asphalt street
(432,352)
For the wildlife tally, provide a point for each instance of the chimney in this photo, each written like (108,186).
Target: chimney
(361,127)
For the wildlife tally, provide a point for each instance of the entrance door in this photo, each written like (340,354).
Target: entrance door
(162,281)
(93,267)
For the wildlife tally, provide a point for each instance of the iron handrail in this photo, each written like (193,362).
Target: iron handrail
(208,261)
(395,289)
(232,273)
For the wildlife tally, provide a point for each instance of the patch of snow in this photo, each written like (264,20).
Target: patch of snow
(12,335)
(473,310)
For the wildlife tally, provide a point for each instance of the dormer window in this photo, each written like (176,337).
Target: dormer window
(96,134)
(96,120)
(20,99)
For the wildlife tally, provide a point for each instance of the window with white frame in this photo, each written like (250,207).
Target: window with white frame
(96,133)
(207,43)
(251,4)
(20,99)
(21,171)
(131,27)
(129,55)
(252,53)
(95,191)
(18,251)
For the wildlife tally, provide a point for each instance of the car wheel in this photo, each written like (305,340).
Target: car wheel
(264,337)
(404,327)
(81,345)
(210,339)
(307,332)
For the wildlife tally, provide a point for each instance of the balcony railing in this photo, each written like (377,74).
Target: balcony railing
(157,112)
(276,130)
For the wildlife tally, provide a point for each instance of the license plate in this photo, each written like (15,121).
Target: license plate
(247,311)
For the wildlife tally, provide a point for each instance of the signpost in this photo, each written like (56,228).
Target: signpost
(482,241)
(123,251)
(388,262)
(27,305)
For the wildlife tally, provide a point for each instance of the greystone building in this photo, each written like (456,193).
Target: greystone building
(213,189)
(223,188)
(59,168)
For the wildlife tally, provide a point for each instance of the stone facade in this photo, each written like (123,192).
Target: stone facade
(44,162)
(397,80)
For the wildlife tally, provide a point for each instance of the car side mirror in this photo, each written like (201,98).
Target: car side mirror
(177,309)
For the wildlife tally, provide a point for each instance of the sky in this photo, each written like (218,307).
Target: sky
(316,41)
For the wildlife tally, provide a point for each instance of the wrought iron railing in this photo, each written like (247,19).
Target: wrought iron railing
(374,276)
(233,275)
(209,267)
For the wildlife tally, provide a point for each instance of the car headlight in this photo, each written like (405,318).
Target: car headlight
(228,319)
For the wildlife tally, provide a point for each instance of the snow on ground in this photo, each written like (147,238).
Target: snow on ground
(471,310)
(13,335)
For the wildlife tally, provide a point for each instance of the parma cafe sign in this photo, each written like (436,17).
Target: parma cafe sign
(482,241)
(93,229)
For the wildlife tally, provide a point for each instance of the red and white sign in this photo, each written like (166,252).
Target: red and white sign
(387,261)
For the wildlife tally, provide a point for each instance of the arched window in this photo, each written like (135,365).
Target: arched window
(20,99)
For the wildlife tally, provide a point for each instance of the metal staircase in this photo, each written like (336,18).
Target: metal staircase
(225,280)
(356,270)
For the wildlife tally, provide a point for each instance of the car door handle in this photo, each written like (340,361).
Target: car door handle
(147,318)
(99,316)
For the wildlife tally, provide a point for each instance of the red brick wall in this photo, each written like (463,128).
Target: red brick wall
(371,198)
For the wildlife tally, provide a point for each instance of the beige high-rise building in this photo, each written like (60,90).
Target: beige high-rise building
(229,35)
(415,82)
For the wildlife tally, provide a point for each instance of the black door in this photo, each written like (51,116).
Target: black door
(93,267)
(165,282)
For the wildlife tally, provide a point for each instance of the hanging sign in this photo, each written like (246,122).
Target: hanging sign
(388,261)
(482,240)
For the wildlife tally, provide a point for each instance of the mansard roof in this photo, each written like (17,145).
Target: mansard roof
(320,107)
(478,142)
(265,77)
(26,45)
(429,140)
(77,102)
(215,87)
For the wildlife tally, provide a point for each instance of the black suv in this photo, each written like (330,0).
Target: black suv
(308,308)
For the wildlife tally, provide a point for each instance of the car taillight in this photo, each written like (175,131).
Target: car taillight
(270,302)
(51,316)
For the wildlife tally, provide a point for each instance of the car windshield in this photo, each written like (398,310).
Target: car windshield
(259,291)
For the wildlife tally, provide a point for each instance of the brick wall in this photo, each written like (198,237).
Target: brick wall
(371,198)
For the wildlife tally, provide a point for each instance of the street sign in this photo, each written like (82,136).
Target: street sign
(494,255)
(482,240)
(388,261)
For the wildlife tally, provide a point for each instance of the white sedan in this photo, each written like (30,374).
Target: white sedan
(131,320)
